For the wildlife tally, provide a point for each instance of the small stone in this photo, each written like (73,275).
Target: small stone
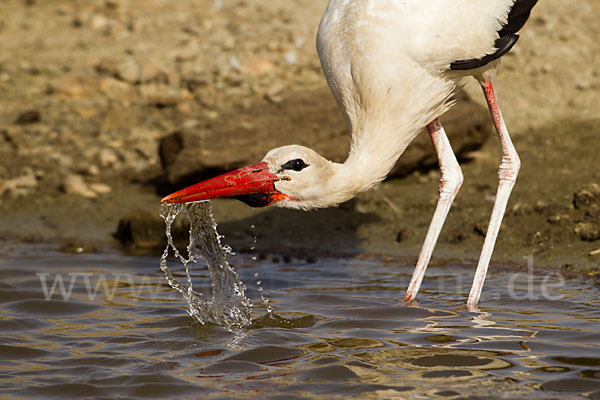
(541,206)
(74,184)
(481,228)
(28,117)
(560,219)
(235,63)
(423,178)
(291,57)
(588,231)
(583,84)
(521,209)
(85,111)
(19,186)
(93,170)
(151,71)
(259,66)
(212,115)
(274,93)
(100,188)
(99,21)
(207,24)
(362,208)
(546,68)
(61,159)
(587,199)
(112,87)
(164,95)
(229,43)
(188,52)
(128,70)
(70,87)
(191,123)
(108,158)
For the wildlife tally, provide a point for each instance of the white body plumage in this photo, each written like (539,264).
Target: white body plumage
(387,63)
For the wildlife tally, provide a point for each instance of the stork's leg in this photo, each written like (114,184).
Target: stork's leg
(450,182)
(507,173)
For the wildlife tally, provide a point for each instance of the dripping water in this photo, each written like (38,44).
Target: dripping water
(228,304)
(259,287)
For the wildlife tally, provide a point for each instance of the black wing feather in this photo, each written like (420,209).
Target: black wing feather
(518,15)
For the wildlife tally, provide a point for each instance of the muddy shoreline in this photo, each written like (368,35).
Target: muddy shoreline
(85,110)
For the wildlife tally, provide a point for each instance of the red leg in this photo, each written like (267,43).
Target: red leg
(507,173)
(450,183)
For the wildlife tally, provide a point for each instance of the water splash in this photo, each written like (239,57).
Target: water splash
(264,299)
(228,305)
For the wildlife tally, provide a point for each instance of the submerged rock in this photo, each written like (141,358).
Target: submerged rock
(141,229)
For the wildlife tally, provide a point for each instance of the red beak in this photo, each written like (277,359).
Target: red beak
(253,184)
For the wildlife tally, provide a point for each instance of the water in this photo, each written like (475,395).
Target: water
(336,331)
(227,303)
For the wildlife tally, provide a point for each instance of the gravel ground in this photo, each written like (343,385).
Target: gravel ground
(89,89)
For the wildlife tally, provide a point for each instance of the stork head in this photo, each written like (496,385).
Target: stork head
(289,176)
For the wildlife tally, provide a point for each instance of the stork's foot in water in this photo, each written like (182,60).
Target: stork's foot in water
(507,174)
(407,303)
(450,183)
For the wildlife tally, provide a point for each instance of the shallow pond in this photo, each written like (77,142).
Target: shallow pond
(116,329)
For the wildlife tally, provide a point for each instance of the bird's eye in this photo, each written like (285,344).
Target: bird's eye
(295,165)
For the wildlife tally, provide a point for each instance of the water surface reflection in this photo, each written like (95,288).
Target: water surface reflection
(337,331)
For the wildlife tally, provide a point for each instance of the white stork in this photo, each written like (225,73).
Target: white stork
(393,66)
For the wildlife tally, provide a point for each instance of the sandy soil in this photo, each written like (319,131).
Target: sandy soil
(90,88)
